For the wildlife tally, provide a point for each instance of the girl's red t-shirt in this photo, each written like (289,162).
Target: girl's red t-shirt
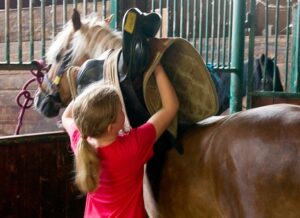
(120,192)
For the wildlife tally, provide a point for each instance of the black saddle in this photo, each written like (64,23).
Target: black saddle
(89,72)
(137,28)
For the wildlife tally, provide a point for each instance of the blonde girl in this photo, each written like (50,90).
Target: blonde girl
(108,162)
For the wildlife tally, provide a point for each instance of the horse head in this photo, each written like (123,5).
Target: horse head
(265,81)
(80,40)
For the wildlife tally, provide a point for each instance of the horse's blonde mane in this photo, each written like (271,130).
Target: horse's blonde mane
(93,41)
(93,38)
(60,41)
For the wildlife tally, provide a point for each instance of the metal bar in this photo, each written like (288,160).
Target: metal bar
(230,31)
(295,50)
(95,9)
(16,66)
(187,19)
(7,35)
(225,70)
(31,31)
(152,5)
(200,26)
(276,44)
(160,7)
(266,41)
(53,18)
(297,47)
(75,4)
(174,17)
(236,82)
(213,32)
(288,22)
(224,31)
(20,51)
(206,31)
(114,9)
(252,22)
(161,12)
(169,17)
(194,22)
(181,18)
(84,5)
(104,9)
(218,33)
(284,95)
(65,11)
(43,29)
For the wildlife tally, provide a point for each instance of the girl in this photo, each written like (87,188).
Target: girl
(109,166)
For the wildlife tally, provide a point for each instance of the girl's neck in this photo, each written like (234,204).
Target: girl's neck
(102,141)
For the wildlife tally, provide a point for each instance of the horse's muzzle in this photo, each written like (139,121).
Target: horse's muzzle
(47,105)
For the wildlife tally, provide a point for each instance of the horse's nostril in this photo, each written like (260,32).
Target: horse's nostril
(46,105)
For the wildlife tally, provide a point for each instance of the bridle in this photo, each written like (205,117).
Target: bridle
(53,85)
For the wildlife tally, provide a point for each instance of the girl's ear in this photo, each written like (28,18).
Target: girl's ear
(109,128)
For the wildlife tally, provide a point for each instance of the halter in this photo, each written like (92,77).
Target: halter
(53,85)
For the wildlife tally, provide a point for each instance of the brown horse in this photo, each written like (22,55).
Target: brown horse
(242,165)
(71,47)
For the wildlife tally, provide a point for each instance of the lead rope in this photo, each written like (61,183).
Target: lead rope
(28,102)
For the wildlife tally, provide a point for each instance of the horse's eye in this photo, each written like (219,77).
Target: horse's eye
(47,68)
(58,58)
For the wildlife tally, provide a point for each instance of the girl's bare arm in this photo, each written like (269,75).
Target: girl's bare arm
(67,117)
(163,117)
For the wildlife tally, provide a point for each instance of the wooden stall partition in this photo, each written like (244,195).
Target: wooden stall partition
(36,173)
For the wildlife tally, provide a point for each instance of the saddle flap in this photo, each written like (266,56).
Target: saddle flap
(189,76)
(91,71)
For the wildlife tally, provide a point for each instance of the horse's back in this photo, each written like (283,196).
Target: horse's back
(243,165)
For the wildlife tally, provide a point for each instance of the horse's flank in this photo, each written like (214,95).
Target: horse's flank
(246,165)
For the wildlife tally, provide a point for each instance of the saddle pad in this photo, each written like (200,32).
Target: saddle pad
(189,76)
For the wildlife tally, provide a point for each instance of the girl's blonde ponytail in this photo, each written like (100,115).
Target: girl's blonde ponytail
(86,167)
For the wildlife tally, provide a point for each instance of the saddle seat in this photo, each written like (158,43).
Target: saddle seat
(137,28)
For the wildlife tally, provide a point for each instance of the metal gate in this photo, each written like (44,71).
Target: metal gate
(228,32)
(274,29)
(223,31)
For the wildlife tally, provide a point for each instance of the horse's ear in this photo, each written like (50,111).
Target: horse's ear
(76,20)
(108,19)
(262,58)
